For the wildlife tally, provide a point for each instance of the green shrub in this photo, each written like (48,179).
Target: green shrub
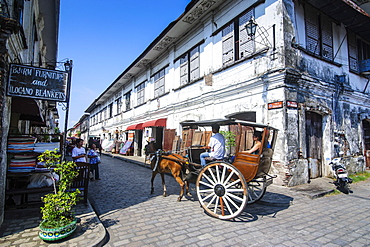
(57,209)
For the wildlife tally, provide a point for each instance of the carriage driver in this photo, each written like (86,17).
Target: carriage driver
(216,146)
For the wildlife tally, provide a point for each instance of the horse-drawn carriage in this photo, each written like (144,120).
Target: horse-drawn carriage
(223,187)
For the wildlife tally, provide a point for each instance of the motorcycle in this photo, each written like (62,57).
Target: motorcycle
(341,175)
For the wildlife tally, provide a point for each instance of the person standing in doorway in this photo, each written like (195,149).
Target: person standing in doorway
(94,161)
(79,152)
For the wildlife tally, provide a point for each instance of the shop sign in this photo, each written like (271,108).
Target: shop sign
(275,105)
(37,83)
(292,104)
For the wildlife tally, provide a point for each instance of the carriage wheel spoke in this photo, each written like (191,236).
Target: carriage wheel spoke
(216,204)
(211,194)
(235,197)
(218,175)
(230,175)
(222,181)
(233,183)
(222,206)
(256,189)
(212,175)
(214,199)
(209,179)
(227,200)
(206,184)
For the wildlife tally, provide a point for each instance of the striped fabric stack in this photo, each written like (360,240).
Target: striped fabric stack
(21,144)
(24,160)
(41,147)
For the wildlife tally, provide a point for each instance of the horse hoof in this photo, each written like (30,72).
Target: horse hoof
(179,199)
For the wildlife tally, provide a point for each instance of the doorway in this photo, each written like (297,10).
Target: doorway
(139,142)
(314,144)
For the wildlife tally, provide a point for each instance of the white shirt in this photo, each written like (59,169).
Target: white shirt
(217,144)
(77,152)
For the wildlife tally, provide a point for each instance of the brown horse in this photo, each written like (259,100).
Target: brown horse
(170,163)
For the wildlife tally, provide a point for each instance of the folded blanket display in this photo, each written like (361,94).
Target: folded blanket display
(26,150)
(22,164)
(21,144)
(23,160)
(40,147)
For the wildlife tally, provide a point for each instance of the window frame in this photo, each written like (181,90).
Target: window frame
(159,82)
(319,30)
(119,105)
(234,38)
(127,97)
(358,51)
(190,65)
(110,110)
(140,93)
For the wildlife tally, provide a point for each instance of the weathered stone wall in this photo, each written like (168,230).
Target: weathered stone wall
(8,26)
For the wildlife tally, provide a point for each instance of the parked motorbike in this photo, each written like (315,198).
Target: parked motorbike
(341,175)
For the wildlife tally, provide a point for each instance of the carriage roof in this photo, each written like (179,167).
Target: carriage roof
(222,122)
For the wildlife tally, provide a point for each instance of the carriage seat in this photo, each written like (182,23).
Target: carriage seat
(212,159)
(247,164)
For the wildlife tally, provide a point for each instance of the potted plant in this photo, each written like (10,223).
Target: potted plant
(58,220)
(229,140)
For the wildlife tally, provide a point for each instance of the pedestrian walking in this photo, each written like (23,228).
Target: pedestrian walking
(94,162)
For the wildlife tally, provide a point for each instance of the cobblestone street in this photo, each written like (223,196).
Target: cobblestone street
(134,217)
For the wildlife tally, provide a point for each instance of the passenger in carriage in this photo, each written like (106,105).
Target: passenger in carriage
(216,146)
(257,137)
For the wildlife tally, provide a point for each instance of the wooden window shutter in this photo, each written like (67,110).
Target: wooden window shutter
(312,31)
(327,38)
(352,52)
(246,44)
(194,63)
(159,83)
(228,44)
(184,70)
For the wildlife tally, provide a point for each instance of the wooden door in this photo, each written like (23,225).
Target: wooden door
(314,143)
(169,137)
(366,128)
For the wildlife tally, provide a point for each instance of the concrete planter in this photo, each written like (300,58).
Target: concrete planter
(54,234)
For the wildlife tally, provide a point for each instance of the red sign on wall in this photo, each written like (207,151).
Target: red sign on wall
(292,104)
(275,105)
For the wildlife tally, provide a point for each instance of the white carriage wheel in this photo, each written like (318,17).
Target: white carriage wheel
(222,190)
(256,189)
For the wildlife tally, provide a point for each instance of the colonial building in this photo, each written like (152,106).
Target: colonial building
(28,36)
(299,66)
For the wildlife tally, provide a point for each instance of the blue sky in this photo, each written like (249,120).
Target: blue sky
(103,38)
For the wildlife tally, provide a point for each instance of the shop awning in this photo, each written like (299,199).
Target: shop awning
(135,127)
(156,123)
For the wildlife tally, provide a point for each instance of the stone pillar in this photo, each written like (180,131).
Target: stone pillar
(7,28)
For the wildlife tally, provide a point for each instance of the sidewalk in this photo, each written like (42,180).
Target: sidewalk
(20,227)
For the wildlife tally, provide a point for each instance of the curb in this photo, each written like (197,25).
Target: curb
(100,229)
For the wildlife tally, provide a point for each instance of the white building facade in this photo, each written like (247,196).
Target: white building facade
(299,73)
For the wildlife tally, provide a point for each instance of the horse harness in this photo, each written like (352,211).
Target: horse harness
(184,163)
